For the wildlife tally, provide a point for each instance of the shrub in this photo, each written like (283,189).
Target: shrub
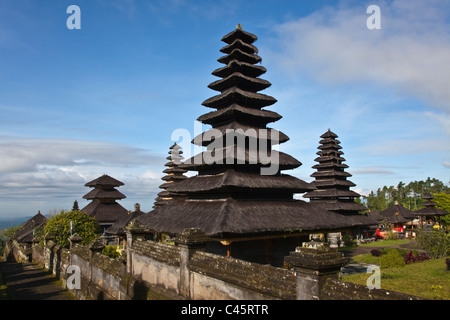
(435,243)
(376,252)
(59,226)
(110,251)
(390,235)
(392,259)
(411,258)
(348,241)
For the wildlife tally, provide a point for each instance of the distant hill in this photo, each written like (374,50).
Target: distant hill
(12,222)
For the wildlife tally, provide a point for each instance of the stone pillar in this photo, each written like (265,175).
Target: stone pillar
(48,255)
(314,263)
(34,243)
(134,231)
(96,246)
(48,237)
(333,239)
(74,240)
(189,241)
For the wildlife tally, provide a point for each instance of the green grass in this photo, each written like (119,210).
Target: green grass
(366,258)
(429,279)
(386,243)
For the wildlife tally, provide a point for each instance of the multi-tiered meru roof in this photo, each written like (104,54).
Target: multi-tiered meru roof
(232,195)
(173,173)
(430,209)
(104,207)
(332,187)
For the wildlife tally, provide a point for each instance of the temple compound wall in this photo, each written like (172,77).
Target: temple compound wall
(153,270)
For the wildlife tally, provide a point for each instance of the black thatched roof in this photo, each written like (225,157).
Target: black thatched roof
(175,174)
(232,156)
(430,209)
(375,214)
(398,214)
(104,181)
(241,97)
(240,67)
(234,180)
(25,232)
(230,197)
(239,35)
(230,217)
(238,130)
(241,114)
(103,206)
(107,194)
(105,212)
(118,228)
(431,212)
(333,189)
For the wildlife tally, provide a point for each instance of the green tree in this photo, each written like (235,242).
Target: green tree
(10,233)
(401,192)
(75,206)
(59,226)
(408,195)
(443,201)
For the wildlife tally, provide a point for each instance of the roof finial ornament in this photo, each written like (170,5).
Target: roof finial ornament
(239,26)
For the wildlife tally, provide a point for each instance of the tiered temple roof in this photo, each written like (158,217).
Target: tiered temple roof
(231,196)
(104,207)
(174,174)
(333,189)
(430,209)
(398,214)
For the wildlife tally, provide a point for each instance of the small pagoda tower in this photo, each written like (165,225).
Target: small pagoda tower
(430,211)
(104,207)
(173,174)
(333,189)
(240,198)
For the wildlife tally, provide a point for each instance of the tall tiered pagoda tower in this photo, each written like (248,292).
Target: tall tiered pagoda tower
(239,199)
(104,207)
(174,174)
(332,187)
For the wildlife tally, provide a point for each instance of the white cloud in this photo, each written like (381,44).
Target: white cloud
(407,147)
(441,118)
(371,170)
(411,53)
(26,154)
(53,172)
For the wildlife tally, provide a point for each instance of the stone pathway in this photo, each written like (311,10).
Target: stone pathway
(27,282)
(351,268)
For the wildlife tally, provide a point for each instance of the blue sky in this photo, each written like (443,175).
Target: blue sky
(76,104)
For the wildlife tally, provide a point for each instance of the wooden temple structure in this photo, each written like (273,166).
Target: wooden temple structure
(118,228)
(173,174)
(103,206)
(26,231)
(245,214)
(398,216)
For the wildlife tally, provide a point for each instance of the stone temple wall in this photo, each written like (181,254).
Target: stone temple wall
(152,270)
